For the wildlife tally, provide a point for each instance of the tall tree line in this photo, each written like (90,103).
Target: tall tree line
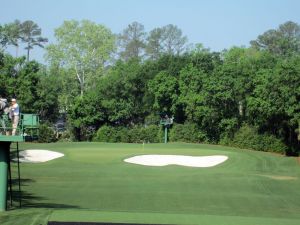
(27,32)
(129,79)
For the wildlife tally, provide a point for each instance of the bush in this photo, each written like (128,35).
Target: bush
(66,136)
(249,138)
(136,134)
(151,134)
(187,132)
(272,144)
(46,134)
(106,134)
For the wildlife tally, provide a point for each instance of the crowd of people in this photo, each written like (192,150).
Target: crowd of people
(9,114)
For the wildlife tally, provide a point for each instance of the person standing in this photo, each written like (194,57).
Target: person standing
(15,115)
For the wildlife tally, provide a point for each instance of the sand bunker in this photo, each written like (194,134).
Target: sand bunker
(37,156)
(190,161)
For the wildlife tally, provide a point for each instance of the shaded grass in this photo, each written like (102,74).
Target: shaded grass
(93,180)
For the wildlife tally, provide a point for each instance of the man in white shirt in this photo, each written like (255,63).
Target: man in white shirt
(15,115)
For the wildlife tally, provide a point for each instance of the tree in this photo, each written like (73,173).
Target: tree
(132,41)
(282,41)
(274,104)
(241,66)
(203,98)
(28,82)
(85,113)
(83,48)
(10,34)
(154,48)
(14,34)
(165,40)
(31,34)
(7,64)
(47,102)
(173,41)
(122,91)
(164,88)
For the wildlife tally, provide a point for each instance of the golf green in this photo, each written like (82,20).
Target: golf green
(92,183)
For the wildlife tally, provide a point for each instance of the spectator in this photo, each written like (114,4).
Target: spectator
(15,114)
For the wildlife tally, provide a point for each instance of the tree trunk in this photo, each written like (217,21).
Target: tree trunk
(28,49)
(80,80)
(81,91)
(17,51)
(27,55)
(241,109)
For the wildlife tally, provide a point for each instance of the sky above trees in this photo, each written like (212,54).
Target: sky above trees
(217,24)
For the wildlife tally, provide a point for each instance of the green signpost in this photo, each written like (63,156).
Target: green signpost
(166,122)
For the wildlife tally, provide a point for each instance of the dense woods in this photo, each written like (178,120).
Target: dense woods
(115,87)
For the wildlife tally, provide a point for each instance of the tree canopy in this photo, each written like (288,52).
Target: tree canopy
(242,96)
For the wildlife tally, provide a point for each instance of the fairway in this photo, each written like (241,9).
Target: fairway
(92,183)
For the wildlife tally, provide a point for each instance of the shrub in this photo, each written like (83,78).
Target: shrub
(188,132)
(87,133)
(147,134)
(152,134)
(105,134)
(136,134)
(66,136)
(46,134)
(248,137)
(272,144)
(122,135)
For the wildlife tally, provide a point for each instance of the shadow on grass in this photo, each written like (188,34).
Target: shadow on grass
(29,200)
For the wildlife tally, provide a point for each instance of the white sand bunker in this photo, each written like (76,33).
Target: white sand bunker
(164,160)
(37,156)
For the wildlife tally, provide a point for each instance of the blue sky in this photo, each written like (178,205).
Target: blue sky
(218,24)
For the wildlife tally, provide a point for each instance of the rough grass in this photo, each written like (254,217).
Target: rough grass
(93,184)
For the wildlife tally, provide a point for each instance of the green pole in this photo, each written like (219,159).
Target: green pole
(4,151)
(166,134)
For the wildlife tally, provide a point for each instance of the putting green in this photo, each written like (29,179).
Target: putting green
(92,183)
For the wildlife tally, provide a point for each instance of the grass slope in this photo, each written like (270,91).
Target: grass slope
(92,183)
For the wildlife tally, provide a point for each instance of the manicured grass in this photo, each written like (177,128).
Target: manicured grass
(92,183)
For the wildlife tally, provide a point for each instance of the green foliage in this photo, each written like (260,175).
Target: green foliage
(35,90)
(122,91)
(149,134)
(46,133)
(132,41)
(228,127)
(164,87)
(284,41)
(83,48)
(27,32)
(135,134)
(209,94)
(30,33)
(249,138)
(86,111)
(165,40)
(188,132)
(105,134)
(152,119)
